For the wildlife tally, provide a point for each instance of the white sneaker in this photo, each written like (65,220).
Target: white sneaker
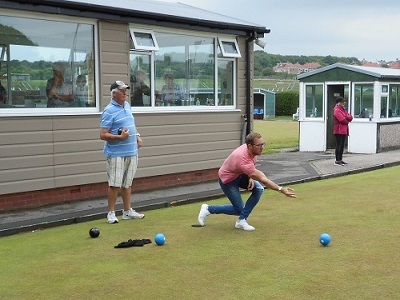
(203,214)
(242,224)
(131,214)
(111,218)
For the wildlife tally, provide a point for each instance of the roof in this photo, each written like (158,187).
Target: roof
(262,91)
(380,73)
(311,65)
(145,12)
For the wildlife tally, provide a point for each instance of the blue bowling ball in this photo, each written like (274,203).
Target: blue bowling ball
(159,239)
(324,239)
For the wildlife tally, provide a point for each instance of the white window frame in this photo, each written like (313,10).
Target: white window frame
(303,111)
(223,41)
(67,111)
(191,108)
(137,46)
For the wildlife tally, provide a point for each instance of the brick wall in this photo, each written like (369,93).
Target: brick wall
(89,191)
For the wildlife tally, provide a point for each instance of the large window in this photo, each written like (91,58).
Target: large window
(314,101)
(184,70)
(363,100)
(46,64)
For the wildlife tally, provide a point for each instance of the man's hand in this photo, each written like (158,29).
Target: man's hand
(139,141)
(251,184)
(288,192)
(124,133)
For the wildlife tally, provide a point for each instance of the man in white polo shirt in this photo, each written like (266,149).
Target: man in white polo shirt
(118,130)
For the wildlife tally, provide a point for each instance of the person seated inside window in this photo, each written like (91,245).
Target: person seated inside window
(59,90)
(139,88)
(81,92)
(172,93)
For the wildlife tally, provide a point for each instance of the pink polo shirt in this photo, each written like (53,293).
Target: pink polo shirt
(237,163)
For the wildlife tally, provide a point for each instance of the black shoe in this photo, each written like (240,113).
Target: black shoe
(339,163)
(343,162)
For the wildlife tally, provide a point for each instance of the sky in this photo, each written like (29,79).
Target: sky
(365,29)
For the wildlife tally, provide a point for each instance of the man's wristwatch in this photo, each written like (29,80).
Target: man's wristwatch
(137,134)
(280,189)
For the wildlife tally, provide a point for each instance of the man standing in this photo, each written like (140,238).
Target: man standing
(341,120)
(121,145)
(239,171)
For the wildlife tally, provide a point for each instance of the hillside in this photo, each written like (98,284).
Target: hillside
(264,62)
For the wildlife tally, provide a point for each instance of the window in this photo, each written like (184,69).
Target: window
(229,48)
(184,70)
(143,40)
(363,100)
(393,107)
(140,75)
(51,68)
(314,101)
(226,81)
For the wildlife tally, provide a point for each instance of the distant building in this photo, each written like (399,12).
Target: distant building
(295,68)
(381,64)
(394,65)
(370,64)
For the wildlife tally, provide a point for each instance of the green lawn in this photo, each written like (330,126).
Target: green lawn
(279,133)
(281,259)
(276,85)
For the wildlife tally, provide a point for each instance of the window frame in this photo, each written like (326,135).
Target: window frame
(135,43)
(358,115)
(150,54)
(304,113)
(390,102)
(224,41)
(234,80)
(217,57)
(50,111)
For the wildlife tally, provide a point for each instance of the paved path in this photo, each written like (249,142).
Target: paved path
(283,168)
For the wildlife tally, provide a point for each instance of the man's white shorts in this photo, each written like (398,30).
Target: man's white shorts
(121,170)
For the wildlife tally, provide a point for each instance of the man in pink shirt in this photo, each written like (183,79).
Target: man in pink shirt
(239,171)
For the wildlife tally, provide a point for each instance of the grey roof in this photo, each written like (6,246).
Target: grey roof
(143,11)
(170,9)
(371,71)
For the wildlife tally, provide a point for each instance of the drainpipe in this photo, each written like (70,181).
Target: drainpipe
(247,116)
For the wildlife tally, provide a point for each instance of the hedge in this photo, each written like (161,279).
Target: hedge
(286,103)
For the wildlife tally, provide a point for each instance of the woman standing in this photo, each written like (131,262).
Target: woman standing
(340,129)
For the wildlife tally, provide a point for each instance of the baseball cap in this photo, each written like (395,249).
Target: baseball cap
(119,85)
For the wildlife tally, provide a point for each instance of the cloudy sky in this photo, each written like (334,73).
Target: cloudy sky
(365,29)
